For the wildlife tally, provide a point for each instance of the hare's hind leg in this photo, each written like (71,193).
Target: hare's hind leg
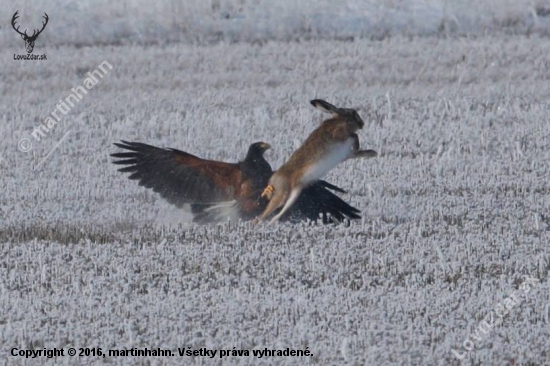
(289,202)
(276,200)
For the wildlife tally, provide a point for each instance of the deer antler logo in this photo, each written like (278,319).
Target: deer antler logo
(29,40)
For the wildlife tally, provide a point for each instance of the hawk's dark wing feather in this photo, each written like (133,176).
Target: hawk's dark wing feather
(325,184)
(317,201)
(177,176)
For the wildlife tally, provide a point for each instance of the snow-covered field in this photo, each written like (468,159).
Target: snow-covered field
(455,208)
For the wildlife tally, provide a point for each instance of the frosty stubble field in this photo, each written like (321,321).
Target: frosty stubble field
(454,207)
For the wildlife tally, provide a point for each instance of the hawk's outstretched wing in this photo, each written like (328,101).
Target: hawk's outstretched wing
(318,202)
(177,176)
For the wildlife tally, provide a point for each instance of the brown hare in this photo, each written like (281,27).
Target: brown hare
(332,142)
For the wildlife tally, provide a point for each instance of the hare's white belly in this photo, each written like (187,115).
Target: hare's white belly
(329,160)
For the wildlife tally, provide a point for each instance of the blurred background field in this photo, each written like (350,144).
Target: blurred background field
(102,22)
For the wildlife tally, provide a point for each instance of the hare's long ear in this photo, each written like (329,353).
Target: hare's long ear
(324,106)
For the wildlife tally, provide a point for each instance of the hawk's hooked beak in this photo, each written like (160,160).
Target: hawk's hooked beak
(265,146)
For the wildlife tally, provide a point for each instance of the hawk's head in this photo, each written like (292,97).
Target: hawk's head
(259,148)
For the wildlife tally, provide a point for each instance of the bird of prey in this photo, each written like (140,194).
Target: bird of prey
(217,191)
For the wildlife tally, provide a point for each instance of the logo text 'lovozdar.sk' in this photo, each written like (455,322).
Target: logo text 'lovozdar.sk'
(29,40)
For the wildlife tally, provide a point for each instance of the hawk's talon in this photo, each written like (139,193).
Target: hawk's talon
(268,192)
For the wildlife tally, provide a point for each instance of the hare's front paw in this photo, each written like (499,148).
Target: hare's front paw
(268,192)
